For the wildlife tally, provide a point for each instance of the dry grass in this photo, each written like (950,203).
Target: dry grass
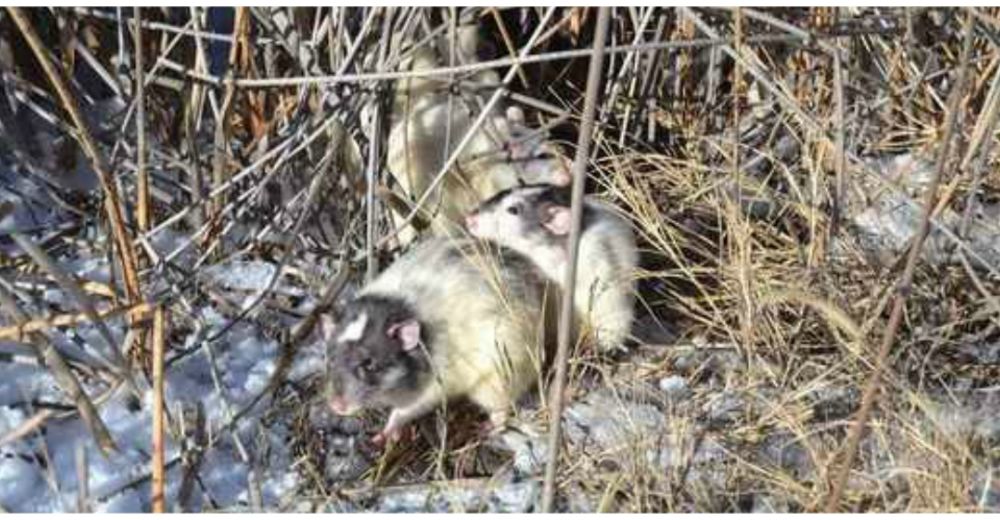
(739,142)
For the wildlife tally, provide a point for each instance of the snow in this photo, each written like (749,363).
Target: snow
(241,275)
(18,481)
(38,471)
(22,382)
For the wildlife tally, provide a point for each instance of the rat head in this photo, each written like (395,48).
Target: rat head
(523,218)
(538,160)
(376,357)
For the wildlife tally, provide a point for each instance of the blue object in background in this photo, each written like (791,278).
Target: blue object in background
(220,20)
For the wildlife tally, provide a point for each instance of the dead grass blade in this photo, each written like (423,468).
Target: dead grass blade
(158,490)
(566,312)
(112,201)
(903,288)
(64,377)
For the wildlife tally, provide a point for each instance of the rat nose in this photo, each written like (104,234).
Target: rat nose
(339,406)
(471,222)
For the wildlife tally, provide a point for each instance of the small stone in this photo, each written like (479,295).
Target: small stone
(529,449)
(611,423)
(785,451)
(515,498)
(725,409)
(675,387)
(345,468)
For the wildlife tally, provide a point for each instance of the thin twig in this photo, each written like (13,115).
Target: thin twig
(112,202)
(64,378)
(158,26)
(192,436)
(902,291)
(741,238)
(158,492)
(522,60)
(142,176)
(374,159)
(21,330)
(507,41)
(566,313)
(486,112)
(623,69)
(222,145)
(193,116)
(985,126)
(82,480)
(840,145)
(112,356)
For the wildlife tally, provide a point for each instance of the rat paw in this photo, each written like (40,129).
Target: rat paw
(485,430)
(381,439)
(490,427)
(393,436)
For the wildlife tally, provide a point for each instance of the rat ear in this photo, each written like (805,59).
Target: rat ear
(515,114)
(556,219)
(327,327)
(408,332)
(562,174)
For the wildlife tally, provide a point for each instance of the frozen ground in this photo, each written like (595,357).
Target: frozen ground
(38,472)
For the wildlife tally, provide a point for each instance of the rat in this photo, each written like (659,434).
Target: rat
(534,219)
(443,321)
(429,118)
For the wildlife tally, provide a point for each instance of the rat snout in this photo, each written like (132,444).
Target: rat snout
(471,222)
(562,178)
(341,406)
(563,174)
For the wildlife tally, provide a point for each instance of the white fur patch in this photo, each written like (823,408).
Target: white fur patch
(393,377)
(355,329)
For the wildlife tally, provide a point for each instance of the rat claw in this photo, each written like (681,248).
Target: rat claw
(488,427)
(392,436)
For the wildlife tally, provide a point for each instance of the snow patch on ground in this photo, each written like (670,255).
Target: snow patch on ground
(244,360)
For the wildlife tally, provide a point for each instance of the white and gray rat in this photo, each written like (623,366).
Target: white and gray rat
(535,219)
(443,321)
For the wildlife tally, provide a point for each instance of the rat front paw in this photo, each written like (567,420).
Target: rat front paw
(486,429)
(394,435)
(493,426)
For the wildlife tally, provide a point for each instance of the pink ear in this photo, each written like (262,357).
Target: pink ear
(408,333)
(327,327)
(558,220)
(515,114)
(563,174)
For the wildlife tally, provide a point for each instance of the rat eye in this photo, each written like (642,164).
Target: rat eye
(514,210)
(367,367)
